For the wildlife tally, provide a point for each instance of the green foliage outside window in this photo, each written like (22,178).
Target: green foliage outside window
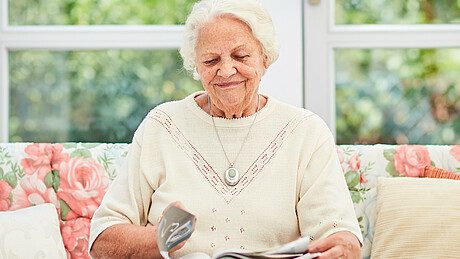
(98,12)
(398,96)
(397,12)
(100,96)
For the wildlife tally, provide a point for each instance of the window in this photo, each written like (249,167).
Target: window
(356,55)
(91,70)
(72,72)
(385,71)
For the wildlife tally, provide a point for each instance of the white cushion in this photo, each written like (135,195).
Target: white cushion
(32,232)
(417,218)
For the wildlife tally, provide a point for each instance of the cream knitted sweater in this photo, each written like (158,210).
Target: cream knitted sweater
(291,182)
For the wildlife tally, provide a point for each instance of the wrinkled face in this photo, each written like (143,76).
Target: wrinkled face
(230,63)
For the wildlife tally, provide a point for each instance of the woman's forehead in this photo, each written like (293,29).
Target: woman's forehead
(225,33)
(225,25)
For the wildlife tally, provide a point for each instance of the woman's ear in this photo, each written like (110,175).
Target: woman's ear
(266,63)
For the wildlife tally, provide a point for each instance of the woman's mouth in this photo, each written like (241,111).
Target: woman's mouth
(228,84)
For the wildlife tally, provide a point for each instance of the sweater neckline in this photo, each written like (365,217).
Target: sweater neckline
(224,122)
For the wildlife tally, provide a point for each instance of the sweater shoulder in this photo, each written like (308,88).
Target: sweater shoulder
(310,124)
(158,118)
(304,115)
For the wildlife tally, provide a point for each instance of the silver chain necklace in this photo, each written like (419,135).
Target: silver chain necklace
(232,176)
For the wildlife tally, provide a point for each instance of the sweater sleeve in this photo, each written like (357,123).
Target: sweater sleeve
(128,197)
(324,205)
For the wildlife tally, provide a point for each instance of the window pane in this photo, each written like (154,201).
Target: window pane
(397,12)
(398,96)
(96,12)
(58,96)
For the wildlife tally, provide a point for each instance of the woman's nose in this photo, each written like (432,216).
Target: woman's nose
(227,69)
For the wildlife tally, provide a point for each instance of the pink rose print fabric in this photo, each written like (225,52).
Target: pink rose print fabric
(83,185)
(73,177)
(411,160)
(362,178)
(455,152)
(43,158)
(354,162)
(32,191)
(75,234)
(5,190)
(74,182)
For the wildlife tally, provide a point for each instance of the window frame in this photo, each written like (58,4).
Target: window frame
(322,37)
(287,18)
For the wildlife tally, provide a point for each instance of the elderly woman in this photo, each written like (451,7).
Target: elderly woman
(256,173)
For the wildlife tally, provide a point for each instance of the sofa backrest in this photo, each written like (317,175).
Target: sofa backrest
(72,176)
(75,176)
(364,164)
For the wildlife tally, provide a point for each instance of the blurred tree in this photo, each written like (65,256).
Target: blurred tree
(397,12)
(398,96)
(90,95)
(103,12)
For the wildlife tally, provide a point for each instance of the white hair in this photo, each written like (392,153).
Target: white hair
(249,11)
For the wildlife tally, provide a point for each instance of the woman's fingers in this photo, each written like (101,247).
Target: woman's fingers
(342,244)
(334,252)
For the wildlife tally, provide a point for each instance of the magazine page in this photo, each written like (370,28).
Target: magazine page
(295,249)
(298,246)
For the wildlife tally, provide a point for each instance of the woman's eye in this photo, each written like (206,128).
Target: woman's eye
(211,61)
(241,56)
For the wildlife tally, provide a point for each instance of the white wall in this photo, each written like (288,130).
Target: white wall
(284,79)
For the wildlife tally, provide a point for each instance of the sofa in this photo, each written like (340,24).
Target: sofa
(49,192)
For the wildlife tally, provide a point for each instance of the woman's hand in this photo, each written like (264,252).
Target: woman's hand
(342,244)
(130,241)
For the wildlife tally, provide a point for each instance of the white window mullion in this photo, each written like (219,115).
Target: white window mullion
(93,37)
(3,15)
(3,74)
(4,103)
(318,95)
(436,36)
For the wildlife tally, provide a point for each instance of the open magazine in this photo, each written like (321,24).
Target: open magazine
(177,225)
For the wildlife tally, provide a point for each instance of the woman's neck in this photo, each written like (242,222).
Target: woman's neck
(202,101)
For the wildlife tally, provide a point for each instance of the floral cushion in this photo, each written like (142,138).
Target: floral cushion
(75,176)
